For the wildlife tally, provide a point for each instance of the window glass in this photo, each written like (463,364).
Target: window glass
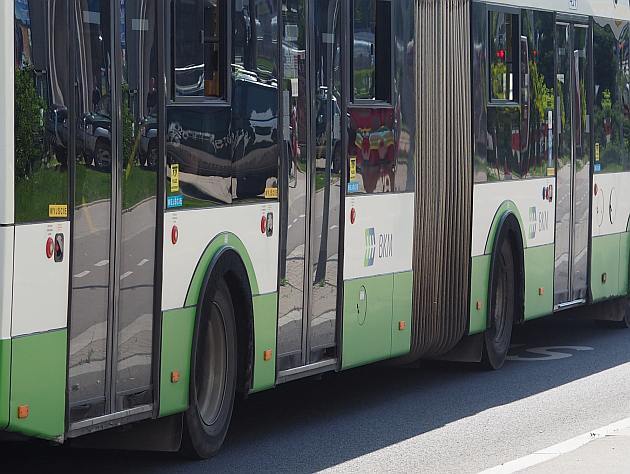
(610,116)
(537,94)
(255,101)
(41,111)
(197,50)
(372,50)
(503,31)
(503,146)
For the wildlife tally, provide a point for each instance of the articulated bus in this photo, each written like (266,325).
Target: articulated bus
(203,199)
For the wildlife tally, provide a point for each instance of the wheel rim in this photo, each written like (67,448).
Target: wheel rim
(211,365)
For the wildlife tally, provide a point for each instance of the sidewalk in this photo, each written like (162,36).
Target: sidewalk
(609,454)
(605,450)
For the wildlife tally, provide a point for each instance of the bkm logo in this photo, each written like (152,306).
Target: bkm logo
(385,246)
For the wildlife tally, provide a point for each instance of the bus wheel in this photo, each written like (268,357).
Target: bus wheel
(502,308)
(213,376)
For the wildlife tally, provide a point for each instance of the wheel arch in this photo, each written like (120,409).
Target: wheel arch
(508,226)
(233,265)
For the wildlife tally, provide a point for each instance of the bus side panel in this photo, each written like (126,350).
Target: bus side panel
(202,234)
(610,254)
(5,381)
(377,266)
(178,326)
(38,382)
(6,297)
(536,216)
(38,329)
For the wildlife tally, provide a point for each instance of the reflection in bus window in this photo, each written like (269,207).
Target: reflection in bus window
(503,30)
(372,50)
(198,48)
(41,110)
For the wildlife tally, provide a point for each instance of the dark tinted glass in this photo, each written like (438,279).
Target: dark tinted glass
(537,94)
(611,95)
(198,44)
(503,32)
(41,110)
(503,146)
(371,50)
(255,101)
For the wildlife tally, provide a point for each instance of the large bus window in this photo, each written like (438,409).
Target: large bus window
(537,94)
(611,152)
(372,50)
(199,48)
(503,33)
(41,111)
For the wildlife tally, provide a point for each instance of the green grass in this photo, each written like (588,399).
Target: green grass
(139,185)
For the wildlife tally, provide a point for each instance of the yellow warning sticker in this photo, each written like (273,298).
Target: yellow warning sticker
(353,167)
(596,152)
(551,171)
(271,193)
(57,210)
(174,178)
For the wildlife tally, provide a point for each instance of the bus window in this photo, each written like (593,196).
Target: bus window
(372,50)
(199,48)
(503,31)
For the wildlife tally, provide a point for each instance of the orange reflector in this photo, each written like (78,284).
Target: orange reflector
(541,291)
(23,411)
(175,376)
(402,325)
(478,305)
(267,354)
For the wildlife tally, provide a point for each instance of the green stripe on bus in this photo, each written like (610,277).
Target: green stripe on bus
(221,241)
(539,274)
(38,380)
(479,284)
(624,269)
(5,381)
(609,266)
(265,329)
(178,326)
(373,308)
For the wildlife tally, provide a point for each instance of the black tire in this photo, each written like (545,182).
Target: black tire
(502,308)
(213,376)
(102,155)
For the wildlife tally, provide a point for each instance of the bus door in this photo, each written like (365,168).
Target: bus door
(114,186)
(311,183)
(573,171)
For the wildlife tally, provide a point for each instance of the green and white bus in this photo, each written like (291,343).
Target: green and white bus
(203,199)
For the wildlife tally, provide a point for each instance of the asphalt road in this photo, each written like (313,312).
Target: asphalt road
(440,417)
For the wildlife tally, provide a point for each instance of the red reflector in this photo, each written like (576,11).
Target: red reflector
(263,224)
(595,189)
(174,234)
(50,247)
(353,215)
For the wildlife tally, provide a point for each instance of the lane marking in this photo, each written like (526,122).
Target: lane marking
(82,274)
(102,263)
(125,275)
(547,454)
(549,353)
(142,262)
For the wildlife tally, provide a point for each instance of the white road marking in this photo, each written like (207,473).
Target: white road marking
(302,216)
(294,221)
(142,262)
(102,263)
(82,274)
(125,275)
(333,227)
(549,353)
(559,449)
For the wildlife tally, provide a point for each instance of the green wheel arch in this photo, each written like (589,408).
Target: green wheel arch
(508,207)
(223,241)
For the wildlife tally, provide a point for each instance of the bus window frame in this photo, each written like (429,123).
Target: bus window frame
(225,67)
